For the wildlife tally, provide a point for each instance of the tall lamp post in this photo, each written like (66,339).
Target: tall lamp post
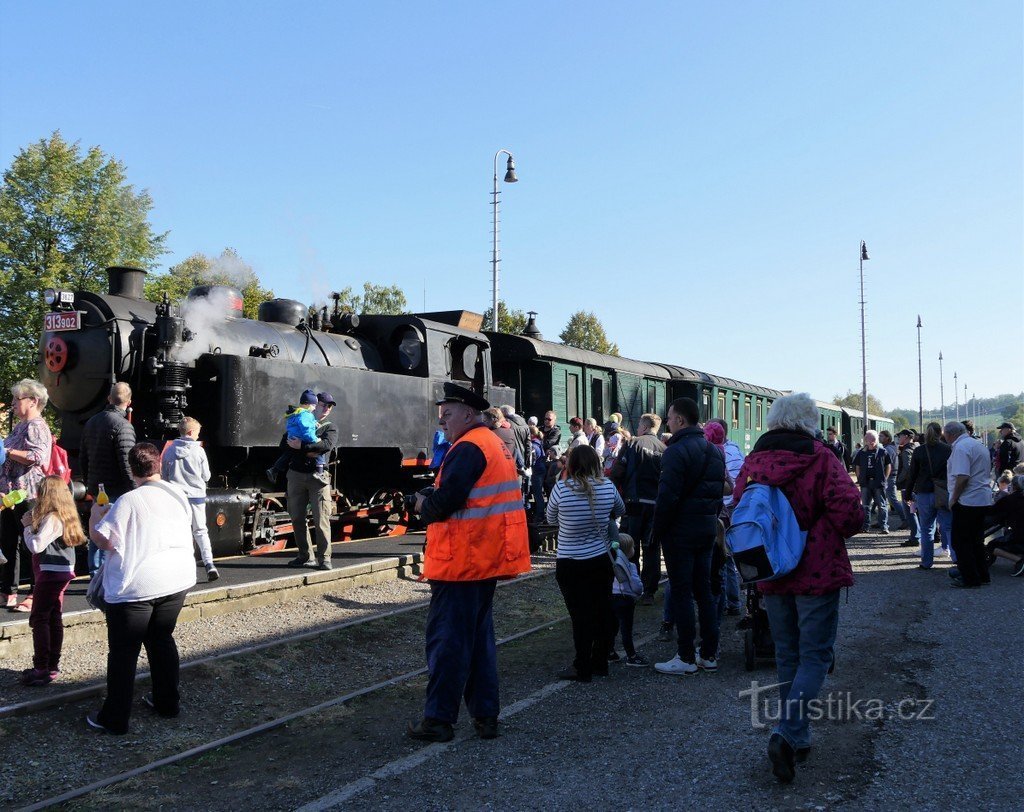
(510,177)
(920,387)
(863,340)
(942,392)
(967,413)
(956,397)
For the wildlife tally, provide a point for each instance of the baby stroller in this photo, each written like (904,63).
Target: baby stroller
(757,635)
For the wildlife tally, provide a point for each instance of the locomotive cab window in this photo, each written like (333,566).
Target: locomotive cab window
(466,361)
(408,344)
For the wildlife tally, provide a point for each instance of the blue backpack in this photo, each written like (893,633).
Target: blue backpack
(764,538)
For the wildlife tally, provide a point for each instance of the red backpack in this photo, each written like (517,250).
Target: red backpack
(58,464)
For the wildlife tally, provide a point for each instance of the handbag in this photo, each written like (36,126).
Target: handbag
(941,493)
(94,592)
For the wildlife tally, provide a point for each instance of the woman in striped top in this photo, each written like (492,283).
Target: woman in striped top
(582,505)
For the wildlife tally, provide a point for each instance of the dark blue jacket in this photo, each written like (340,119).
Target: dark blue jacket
(689,490)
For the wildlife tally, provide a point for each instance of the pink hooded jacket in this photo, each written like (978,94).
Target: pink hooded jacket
(824,499)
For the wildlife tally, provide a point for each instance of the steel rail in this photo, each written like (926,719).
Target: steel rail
(96,688)
(256,730)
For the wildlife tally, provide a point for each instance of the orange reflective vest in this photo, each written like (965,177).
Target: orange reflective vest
(487,538)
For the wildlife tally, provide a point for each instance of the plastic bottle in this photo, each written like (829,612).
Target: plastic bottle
(101,495)
(13,498)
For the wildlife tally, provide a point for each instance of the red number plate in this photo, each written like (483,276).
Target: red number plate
(59,322)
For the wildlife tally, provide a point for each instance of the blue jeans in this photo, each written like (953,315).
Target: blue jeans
(689,573)
(875,494)
(733,596)
(928,515)
(894,503)
(804,630)
(96,557)
(911,518)
(461,654)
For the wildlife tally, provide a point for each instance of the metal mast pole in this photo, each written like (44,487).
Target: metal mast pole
(920,387)
(967,414)
(942,392)
(956,397)
(863,340)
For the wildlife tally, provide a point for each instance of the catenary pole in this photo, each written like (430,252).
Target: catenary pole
(920,385)
(863,339)
(942,392)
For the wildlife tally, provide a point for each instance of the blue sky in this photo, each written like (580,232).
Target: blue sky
(698,175)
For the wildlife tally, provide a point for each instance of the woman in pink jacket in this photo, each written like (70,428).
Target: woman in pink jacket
(803,606)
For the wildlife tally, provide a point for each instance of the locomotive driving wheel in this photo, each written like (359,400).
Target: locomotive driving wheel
(263,537)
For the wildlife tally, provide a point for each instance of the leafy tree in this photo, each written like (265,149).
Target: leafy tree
(900,422)
(199,269)
(64,218)
(586,332)
(379,300)
(509,321)
(854,402)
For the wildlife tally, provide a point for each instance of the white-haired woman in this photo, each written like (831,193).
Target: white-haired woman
(28,452)
(803,606)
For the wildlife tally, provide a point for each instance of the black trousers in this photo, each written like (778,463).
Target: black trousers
(19,561)
(130,626)
(969,543)
(586,586)
(641,527)
(624,608)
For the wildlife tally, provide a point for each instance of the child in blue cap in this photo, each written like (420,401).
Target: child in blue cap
(300,425)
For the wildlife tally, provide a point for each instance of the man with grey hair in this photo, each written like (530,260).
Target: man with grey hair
(872,466)
(107,438)
(970,496)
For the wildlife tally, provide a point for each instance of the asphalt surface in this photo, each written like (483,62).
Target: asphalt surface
(932,663)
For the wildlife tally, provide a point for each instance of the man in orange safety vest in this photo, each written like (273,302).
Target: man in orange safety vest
(476,534)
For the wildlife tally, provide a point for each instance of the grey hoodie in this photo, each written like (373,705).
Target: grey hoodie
(184,463)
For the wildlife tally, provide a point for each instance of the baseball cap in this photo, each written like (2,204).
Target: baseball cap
(1005,426)
(326,397)
(907,432)
(308,398)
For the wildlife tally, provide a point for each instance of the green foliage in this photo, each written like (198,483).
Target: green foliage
(509,321)
(586,332)
(378,300)
(199,269)
(854,401)
(64,218)
(1017,418)
(900,422)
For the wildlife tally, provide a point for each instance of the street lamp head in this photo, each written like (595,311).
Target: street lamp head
(510,174)
(864,250)
(918,321)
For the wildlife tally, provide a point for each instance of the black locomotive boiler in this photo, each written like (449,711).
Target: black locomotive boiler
(237,375)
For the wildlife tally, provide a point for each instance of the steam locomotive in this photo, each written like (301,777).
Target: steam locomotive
(237,375)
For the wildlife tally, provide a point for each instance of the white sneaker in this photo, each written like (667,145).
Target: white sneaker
(707,665)
(676,666)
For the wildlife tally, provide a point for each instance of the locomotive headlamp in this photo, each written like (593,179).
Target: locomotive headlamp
(58,299)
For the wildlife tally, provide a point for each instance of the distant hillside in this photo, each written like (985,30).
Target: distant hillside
(991,411)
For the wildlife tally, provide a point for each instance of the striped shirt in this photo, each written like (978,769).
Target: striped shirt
(582,528)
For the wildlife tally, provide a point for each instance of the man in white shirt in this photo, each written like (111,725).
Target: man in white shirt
(970,495)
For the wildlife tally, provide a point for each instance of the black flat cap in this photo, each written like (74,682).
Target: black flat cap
(453,393)
(907,432)
(1006,426)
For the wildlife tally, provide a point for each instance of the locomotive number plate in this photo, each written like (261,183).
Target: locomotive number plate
(60,322)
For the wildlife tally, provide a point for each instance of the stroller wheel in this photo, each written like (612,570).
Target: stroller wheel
(749,652)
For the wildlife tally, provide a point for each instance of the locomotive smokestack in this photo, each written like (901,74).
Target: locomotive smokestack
(127,282)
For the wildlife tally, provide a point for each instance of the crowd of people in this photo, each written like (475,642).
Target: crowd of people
(148,517)
(621,503)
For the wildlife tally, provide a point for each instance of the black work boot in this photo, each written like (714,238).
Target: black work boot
(430,730)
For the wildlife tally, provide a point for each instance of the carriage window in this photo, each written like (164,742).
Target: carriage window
(652,398)
(721,405)
(759,415)
(572,395)
(735,413)
(597,400)
(746,414)
(706,411)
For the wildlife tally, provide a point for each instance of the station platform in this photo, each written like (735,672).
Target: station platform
(245,582)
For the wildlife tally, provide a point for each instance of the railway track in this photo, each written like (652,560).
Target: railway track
(69,702)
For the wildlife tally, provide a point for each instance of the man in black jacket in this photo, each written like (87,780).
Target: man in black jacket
(1011,449)
(107,437)
(306,487)
(837,446)
(904,483)
(551,431)
(686,523)
(636,471)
